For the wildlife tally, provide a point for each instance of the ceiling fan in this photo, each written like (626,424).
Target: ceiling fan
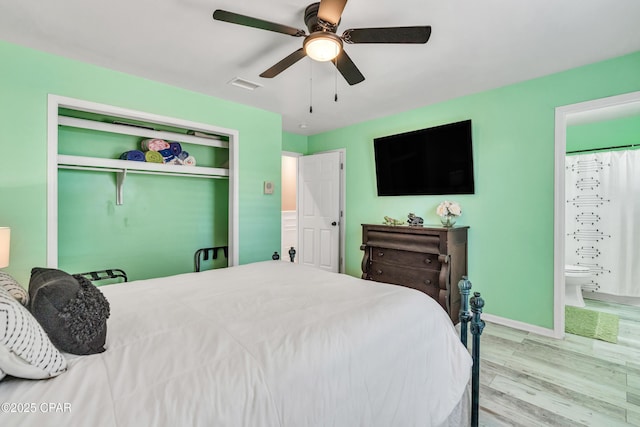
(322,43)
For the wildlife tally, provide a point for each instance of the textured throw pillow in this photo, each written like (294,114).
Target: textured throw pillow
(71,310)
(25,349)
(10,284)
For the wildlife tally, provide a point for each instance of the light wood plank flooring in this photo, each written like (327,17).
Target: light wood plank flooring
(530,380)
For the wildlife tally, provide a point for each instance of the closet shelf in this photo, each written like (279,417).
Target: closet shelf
(114,165)
(139,131)
(122,167)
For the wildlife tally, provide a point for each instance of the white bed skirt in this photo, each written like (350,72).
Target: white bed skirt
(461,414)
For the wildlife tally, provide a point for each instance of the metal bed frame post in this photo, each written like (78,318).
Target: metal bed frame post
(465,315)
(477,325)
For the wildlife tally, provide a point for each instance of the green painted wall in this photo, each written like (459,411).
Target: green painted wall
(27,76)
(511,214)
(294,142)
(608,133)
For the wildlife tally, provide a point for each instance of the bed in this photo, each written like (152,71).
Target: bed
(265,344)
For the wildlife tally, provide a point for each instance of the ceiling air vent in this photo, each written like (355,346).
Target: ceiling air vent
(244,84)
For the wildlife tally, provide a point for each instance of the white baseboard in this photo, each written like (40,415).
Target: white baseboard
(599,296)
(527,327)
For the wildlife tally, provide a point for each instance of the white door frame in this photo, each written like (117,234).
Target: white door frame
(343,205)
(583,112)
(343,202)
(56,101)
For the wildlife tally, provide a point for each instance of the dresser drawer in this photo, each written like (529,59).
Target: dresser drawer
(406,258)
(421,279)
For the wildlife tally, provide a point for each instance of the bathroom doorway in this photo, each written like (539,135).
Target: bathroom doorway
(569,119)
(289,210)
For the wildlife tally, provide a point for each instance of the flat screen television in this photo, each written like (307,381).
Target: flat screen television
(436,160)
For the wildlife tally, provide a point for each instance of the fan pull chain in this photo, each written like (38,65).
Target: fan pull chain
(310,87)
(335,98)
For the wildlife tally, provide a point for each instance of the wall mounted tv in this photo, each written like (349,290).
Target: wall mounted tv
(436,160)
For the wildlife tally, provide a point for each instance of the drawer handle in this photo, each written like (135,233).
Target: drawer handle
(379,271)
(428,281)
(380,253)
(428,260)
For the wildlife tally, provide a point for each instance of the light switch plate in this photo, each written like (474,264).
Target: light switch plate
(268,187)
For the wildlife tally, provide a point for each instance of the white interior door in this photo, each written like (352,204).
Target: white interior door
(319,210)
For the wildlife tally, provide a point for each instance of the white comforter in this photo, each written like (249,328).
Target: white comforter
(264,344)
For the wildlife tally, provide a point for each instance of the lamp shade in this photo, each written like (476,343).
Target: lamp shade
(5,239)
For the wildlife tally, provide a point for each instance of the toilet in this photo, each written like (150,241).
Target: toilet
(574,277)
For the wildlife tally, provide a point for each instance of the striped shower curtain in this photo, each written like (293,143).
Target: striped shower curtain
(602,219)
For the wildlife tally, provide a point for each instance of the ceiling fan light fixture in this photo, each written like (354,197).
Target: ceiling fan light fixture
(322,46)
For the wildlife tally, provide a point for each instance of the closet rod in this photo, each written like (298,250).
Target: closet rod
(185,174)
(603,149)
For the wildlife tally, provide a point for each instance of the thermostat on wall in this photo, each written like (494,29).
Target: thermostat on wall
(268,187)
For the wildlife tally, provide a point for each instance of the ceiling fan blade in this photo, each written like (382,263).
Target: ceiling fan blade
(348,69)
(284,64)
(248,21)
(331,10)
(388,35)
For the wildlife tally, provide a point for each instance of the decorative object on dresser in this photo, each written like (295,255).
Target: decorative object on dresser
(428,259)
(415,221)
(392,221)
(448,213)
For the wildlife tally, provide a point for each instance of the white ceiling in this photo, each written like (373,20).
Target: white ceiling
(475,45)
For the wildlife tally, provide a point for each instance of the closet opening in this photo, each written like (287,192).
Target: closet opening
(108,209)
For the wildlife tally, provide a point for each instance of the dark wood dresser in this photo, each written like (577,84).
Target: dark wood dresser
(430,259)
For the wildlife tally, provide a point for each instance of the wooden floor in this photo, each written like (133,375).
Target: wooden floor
(531,380)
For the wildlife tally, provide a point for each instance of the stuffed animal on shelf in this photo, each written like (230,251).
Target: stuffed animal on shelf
(392,221)
(415,221)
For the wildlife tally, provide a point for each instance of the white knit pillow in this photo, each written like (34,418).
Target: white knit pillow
(25,349)
(10,284)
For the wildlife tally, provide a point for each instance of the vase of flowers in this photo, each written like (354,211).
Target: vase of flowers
(448,213)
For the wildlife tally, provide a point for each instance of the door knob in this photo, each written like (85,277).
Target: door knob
(334,223)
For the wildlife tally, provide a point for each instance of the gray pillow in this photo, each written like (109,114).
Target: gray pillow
(70,309)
